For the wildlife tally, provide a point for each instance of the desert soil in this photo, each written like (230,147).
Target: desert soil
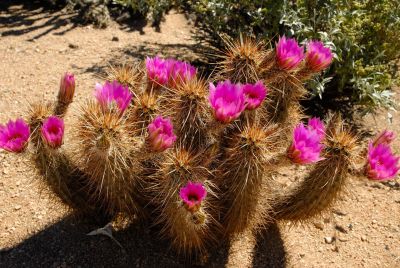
(37,46)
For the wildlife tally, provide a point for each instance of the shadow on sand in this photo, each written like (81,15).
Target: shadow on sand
(65,244)
(19,17)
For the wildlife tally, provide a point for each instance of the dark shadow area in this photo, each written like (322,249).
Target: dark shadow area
(193,53)
(270,239)
(128,21)
(28,13)
(330,102)
(65,244)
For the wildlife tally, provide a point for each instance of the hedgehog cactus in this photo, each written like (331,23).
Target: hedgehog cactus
(159,143)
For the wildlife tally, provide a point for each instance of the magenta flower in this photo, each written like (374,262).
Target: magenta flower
(288,53)
(53,131)
(192,195)
(161,134)
(254,95)
(227,101)
(14,136)
(385,137)
(306,146)
(67,88)
(158,70)
(382,163)
(111,93)
(182,71)
(318,57)
(317,125)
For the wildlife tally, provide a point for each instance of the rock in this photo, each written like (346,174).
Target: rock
(341,229)
(329,239)
(72,46)
(17,207)
(115,39)
(374,222)
(319,225)
(376,185)
(339,213)
(363,238)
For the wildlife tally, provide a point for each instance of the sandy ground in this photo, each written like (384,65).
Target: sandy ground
(36,47)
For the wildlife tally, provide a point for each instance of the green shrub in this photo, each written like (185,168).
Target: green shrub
(154,9)
(364,35)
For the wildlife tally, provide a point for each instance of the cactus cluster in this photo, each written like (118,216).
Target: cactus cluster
(160,143)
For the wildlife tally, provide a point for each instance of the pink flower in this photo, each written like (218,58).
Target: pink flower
(161,134)
(316,124)
(53,131)
(182,71)
(288,53)
(227,101)
(67,88)
(306,145)
(158,70)
(169,71)
(254,95)
(111,93)
(14,136)
(382,163)
(385,137)
(318,57)
(192,195)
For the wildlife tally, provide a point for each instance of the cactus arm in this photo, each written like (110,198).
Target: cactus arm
(323,185)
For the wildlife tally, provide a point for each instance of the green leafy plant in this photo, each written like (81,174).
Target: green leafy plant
(362,35)
(153,8)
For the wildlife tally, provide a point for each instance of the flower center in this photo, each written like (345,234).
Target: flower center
(193,197)
(54,130)
(16,136)
(252,95)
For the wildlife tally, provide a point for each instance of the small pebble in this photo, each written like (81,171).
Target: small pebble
(339,213)
(17,207)
(73,46)
(363,238)
(329,239)
(341,229)
(376,185)
(115,39)
(319,225)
